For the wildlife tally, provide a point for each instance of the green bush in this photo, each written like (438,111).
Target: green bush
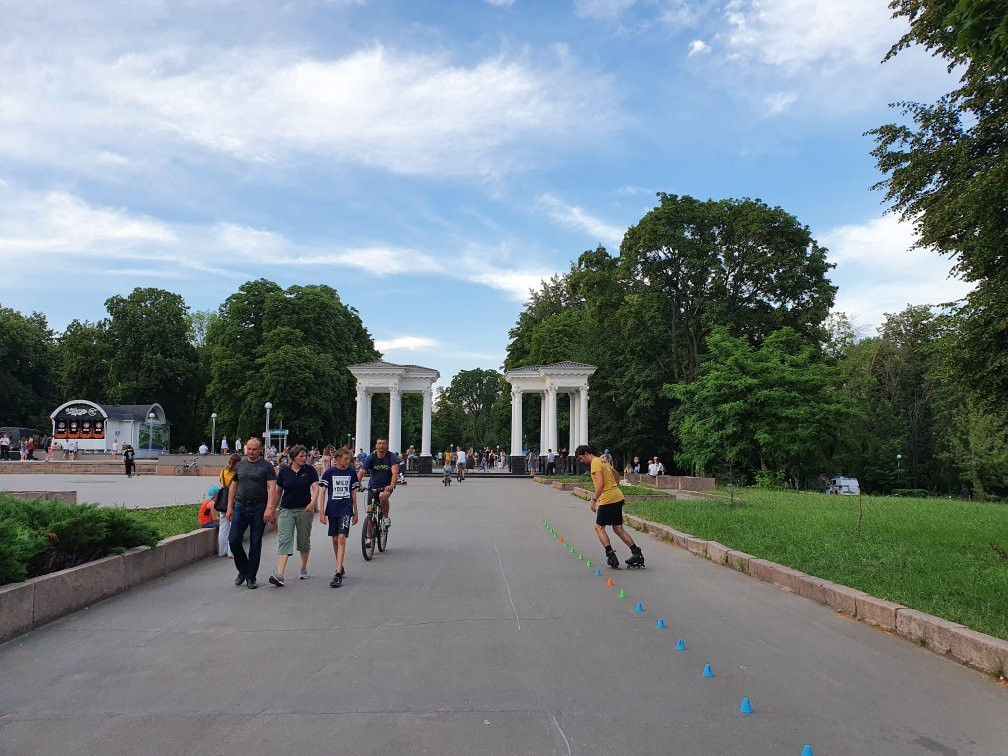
(771,480)
(915,493)
(38,537)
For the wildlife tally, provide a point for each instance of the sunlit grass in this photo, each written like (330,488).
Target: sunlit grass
(934,555)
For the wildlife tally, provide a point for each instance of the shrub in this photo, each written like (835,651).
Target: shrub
(771,480)
(38,537)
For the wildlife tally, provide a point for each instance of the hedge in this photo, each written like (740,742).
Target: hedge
(38,537)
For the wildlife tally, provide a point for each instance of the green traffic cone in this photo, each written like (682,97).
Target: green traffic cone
(622,593)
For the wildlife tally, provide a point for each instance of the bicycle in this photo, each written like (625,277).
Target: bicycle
(187,467)
(373,532)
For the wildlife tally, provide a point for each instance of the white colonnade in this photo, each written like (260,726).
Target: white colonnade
(548,381)
(394,380)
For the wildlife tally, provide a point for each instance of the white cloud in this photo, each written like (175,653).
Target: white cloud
(578,219)
(878,273)
(409,113)
(500,3)
(69,233)
(406,343)
(698,47)
(796,33)
(778,102)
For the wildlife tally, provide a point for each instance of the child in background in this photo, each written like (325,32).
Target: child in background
(207,513)
(340,507)
(447,472)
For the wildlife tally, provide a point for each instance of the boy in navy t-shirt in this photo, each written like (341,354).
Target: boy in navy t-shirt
(340,486)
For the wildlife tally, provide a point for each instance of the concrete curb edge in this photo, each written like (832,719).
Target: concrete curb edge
(39,600)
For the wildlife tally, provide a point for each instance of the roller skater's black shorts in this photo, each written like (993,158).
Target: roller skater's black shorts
(609,514)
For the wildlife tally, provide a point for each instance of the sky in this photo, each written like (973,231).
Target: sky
(433,161)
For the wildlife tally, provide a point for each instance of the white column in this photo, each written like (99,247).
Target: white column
(583,415)
(551,418)
(395,420)
(516,421)
(365,440)
(573,423)
(543,431)
(428,403)
(362,418)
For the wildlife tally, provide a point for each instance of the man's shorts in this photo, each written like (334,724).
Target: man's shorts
(289,522)
(340,524)
(609,514)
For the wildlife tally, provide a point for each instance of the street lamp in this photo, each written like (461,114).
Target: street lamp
(150,431)
(898,458)
(266,435)
(213,433)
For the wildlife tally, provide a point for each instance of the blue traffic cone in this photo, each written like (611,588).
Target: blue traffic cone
(746,707)
(639,607)
(707,671)
(807,750)
(598,572)
(680,646)
(661,624)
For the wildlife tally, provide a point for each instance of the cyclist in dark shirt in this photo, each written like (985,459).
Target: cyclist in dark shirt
(382,466)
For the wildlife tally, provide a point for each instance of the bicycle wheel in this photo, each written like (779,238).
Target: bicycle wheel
(382,535)
(180,470)
(368,536)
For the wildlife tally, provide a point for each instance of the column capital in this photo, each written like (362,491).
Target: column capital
(395,391)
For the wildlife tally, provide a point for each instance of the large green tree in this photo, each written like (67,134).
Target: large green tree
(946,170)
(291,348)
(467,406)
(27,369)
(776,407)
(151,356)
(687,267)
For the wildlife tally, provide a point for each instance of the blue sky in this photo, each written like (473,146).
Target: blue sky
(432,160)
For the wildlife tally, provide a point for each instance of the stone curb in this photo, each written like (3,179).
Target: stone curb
(983,652)
(33,603)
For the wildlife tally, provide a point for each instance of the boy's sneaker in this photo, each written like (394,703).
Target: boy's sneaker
(304,575)
(337,580)
(277,580)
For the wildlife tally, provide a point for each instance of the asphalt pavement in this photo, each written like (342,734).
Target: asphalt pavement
(478,633)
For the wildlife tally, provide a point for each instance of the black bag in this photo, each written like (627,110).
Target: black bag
(220,503)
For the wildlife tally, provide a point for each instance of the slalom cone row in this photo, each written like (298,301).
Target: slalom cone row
(708,671)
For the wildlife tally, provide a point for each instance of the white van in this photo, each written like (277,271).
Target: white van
(843,486)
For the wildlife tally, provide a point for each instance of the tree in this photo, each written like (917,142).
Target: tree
(83,361)
(473,393)
(151,357)
(947,170)
(687,267)
(289,347)
(27,369)
(737,264)
(771,407)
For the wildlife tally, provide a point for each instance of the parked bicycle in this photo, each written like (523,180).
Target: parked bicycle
(373,533)
(187,468)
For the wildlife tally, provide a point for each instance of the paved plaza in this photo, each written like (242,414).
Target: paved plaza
(477,633)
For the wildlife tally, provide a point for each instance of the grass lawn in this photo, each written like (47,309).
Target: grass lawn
(169,521)
(933,555)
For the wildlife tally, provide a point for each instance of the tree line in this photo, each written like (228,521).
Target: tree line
(264,343)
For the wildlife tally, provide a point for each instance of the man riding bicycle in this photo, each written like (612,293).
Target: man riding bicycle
(382,467)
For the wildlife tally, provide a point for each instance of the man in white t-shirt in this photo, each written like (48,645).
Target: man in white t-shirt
(204,449)
(652,468)
(460,460)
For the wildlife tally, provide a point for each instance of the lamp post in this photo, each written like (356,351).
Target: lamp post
(150,431)
(266,435)
(213,433)
(898,458)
